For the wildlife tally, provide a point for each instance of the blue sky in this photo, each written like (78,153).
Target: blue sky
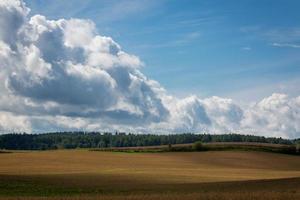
(202,66)
(244,50)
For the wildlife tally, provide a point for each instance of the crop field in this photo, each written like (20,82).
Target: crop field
(84,174)
(211,146)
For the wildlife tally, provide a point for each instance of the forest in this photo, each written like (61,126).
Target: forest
(72,140)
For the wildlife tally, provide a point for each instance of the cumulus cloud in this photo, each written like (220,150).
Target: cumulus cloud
(277,115)
(65,68)
(12,123)
(62,75)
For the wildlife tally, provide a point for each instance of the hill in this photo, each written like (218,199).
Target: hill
(83,174)
(212,146)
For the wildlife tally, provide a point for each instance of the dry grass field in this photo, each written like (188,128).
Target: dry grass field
(83,174)
(211,146)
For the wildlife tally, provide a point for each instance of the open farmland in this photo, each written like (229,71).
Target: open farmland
(211,146)
(83,174)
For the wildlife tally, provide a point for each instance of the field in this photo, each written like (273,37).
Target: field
(211,146)
(84,174)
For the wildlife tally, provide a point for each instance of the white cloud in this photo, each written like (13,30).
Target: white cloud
(283,35)
(12,123)
(187,114)
(247,48)
(286,45)
(66,64)
(62,75)
(224,114)
(277,115)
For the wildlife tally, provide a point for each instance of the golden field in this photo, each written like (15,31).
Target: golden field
(84,174)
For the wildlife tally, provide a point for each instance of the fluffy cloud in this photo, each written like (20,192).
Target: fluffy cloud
(63,75)
(64,68)
(12,123)
(277,115)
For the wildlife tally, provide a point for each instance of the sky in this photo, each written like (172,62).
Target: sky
(244,50)
(155,66)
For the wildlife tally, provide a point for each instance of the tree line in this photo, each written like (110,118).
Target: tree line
(70,140)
